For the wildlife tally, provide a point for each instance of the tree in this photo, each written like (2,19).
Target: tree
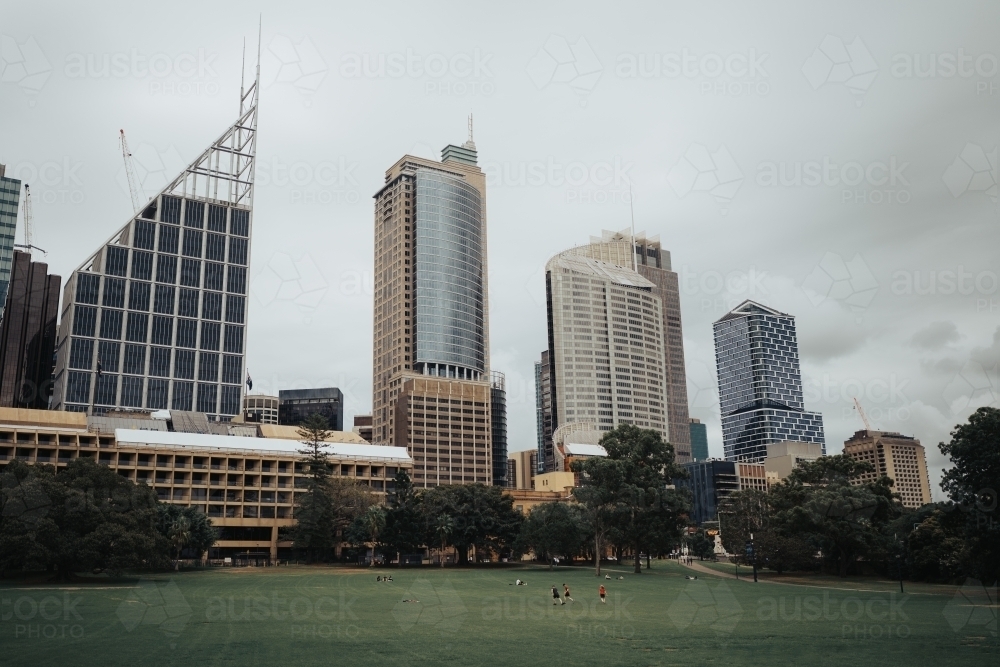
(633,481)
(482,517)
(444,526)
(972,483)
(702,545)
(187,529)
(366,528)
(85,517)
(554,529)
(401,534)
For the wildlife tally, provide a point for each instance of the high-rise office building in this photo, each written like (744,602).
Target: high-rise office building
(699,440)
(156,318)
(543,415)
(760,387)
(498,417)
(28,334)
(899,457)
(606,358)
(431,388)
(297,405)
(10,197)
(646,256)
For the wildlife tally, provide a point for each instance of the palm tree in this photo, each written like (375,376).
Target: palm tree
(374,522)
(180,536)
(444,526)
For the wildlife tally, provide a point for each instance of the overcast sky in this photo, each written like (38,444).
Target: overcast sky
(838,163)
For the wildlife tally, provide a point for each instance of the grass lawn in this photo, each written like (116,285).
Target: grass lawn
(339,616)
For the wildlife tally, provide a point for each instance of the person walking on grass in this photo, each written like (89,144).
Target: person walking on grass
(555,596)
(603,593)
(566,593)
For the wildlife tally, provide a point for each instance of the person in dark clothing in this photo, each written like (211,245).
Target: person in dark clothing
(555,596)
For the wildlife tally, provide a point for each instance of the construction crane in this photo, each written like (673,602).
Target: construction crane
(861,411)
(134,189)
(27,223)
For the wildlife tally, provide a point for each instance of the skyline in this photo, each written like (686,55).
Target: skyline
(915,357)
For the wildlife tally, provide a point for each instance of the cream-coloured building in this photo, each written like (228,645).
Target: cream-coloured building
(899,457)
(521,469)
(607,345)
(247,485)
(260,408)
(784,457)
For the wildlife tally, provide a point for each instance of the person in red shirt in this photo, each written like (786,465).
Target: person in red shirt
(602,592)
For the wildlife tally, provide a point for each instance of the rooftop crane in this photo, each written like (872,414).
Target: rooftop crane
(134,188)
(861,411)
(27,223)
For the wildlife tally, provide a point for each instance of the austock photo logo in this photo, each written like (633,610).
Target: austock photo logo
(976,385)
(304,617)
(438,606)
(182,74)
(154,168)
(706,606)
(42,616)
(461,74)
(849,282)
(736,74)
(973,609)
(974,170)
(23,64)
(701,170)
(161,606)
(838,62)
(561,62)
(57,181)
(296,63)
(287,279)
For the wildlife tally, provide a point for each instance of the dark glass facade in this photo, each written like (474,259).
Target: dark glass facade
(709,483)
(699,440)
(760,387)
(498,422)
(450,300)
(296,405)
(10,194)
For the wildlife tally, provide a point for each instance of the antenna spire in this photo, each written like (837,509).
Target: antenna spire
(243,69)
(631,209)
(470,143)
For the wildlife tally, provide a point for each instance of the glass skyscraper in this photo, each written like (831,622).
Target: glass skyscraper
(10,195)
(156,318)
(760,387)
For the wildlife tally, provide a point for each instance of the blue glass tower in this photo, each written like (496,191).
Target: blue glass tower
(760,387)
(10,194)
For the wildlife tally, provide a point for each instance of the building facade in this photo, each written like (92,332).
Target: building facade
(156,318)
(784,457)
(543,414)
(431,327)
(648,258)
(711,482)
(260,409)
(28,334)
(606,345)
(521,469)
(498,419)
(760,386)
(297,405)
(248,486)
(10,197)
(699,440)
(899,457)
(363,427)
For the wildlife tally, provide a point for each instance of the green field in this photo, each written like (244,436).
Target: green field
(337,616)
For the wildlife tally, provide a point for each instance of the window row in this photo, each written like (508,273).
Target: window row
(133,362)
(166,272)
(164,299)
(194,215)
(159,395)
(189,242)
(162,331)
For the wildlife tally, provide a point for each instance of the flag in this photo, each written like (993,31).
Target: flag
(249,382)
(98,367)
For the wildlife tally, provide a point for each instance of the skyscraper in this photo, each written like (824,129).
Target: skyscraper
(760,387)
(156,318)
(894,455)
(498,417)
(699,440)
(10,196)
(297,405)
(606,358)
(646,256)
(28,335)
(543,415)
(431,385)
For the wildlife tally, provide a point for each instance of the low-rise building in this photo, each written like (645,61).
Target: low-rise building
(711,482)
(297,405)
(784,457)
(363,427)
(260,409)
(899,457)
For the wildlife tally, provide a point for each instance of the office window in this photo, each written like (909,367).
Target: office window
(107,355)
(208,367)
(116,261)
(163,330)
(188,303)
(138,296)
(171,210)
(234,339)
(239,222)
(145,234)
(210,335)
(142,265)
(194,214)
(215,247)
(187,333)
(159,362)
(211,307)
(106,390)
(206,397)
(136,329)
(84,320)
(230,404)
(184,364)
(231,367)
(166,269)
(164,301)
(135,360)
(183,395)
(192,243)
(237,251)
(132,392)
(87,288)
(81,353)
(78,387)
(213,276)
(169,236)
(156,398)
(237,280)
(191,273)
(235,307)
(111,324)
(217,218)
(114,293)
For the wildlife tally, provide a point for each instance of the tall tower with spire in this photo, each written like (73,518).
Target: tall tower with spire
(156,317)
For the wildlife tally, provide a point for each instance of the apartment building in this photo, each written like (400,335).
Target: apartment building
(899,457)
